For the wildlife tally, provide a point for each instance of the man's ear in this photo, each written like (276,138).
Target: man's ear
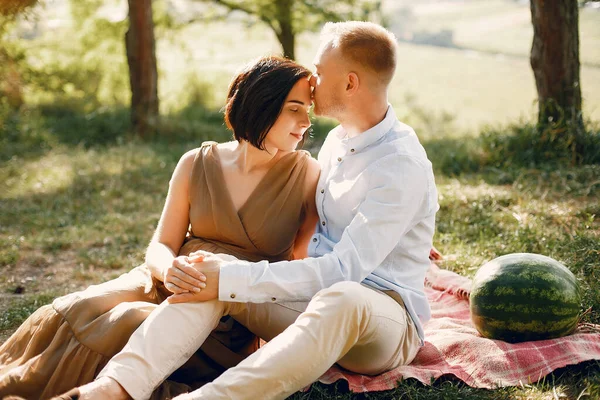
(352,83)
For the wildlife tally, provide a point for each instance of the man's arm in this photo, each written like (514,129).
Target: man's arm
(397,189)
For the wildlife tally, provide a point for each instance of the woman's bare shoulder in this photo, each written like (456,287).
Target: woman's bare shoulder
(313,171)
(314,168)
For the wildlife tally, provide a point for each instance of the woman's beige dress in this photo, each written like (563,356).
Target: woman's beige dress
(65,344)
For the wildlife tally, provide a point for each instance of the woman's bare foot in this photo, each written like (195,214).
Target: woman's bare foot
(103,388)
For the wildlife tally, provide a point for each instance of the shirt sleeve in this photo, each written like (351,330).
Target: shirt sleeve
(397,193)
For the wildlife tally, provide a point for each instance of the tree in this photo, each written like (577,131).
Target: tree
(287,18)
(555,63)
(141,58)
(11,83)
(12,8)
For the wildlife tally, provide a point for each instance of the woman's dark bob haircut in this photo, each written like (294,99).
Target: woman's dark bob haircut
(256,96)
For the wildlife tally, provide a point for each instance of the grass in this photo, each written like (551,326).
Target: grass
(20,309)
(580,382)
(77,214)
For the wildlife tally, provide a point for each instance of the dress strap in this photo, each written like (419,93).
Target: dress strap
(208,143)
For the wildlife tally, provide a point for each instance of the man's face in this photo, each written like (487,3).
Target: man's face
(328,82)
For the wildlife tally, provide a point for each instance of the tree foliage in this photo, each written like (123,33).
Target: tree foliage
(12,56)
(287,18)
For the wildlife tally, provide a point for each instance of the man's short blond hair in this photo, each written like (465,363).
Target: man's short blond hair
(368,44)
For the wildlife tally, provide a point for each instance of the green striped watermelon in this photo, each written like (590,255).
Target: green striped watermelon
(522,296)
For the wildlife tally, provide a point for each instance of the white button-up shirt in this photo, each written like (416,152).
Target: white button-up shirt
(376,200)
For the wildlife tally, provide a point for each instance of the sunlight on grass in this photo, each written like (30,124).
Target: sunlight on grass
(497,26)
(52,172)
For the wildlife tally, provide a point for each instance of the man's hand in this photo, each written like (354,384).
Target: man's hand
(209,265)
(182,277)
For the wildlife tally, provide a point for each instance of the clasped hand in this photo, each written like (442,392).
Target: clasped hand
(195,277)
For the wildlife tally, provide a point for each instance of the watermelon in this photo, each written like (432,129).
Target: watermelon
(521,297)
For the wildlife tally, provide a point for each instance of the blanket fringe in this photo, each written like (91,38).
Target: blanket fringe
(586,327)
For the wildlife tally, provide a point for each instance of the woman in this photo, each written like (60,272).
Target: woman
(252,198)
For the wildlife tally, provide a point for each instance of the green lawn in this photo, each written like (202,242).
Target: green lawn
(74,215)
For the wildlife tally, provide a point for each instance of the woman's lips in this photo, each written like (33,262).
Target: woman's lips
(297,135)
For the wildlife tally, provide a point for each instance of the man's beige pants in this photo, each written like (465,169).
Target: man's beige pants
(360,328)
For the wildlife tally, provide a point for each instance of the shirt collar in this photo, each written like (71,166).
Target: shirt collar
(369,136)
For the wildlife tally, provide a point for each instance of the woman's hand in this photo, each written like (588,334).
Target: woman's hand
(182,277)
(210,265)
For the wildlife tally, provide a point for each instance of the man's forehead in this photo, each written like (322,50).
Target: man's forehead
(323,53)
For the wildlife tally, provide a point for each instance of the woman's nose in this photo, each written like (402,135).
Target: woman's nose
(305,121)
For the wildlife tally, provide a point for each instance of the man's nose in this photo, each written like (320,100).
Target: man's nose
(313,81)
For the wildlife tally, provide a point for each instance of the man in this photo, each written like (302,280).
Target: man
(359,299)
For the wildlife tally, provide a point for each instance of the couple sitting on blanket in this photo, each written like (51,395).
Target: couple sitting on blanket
(323,260)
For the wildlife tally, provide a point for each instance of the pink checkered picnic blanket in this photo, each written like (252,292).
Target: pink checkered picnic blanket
(453,346)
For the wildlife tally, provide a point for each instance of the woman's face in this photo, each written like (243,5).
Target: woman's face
(293,121)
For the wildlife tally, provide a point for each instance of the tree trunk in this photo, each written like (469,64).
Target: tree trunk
(285,33)
(141,57)
(555,62)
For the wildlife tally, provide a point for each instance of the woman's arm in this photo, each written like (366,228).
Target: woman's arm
(161,255)
(307,229)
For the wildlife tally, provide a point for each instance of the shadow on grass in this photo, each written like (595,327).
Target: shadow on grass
(106,211)
(33,132)
(466,157)
(454,156)
(572,381)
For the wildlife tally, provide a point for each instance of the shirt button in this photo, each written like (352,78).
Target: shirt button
(314,239)
(339,159)
(273,299)
(351,150)
(232,295)
(322,190)
(323,223)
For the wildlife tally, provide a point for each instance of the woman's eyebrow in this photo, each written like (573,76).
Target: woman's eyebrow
(296,101)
